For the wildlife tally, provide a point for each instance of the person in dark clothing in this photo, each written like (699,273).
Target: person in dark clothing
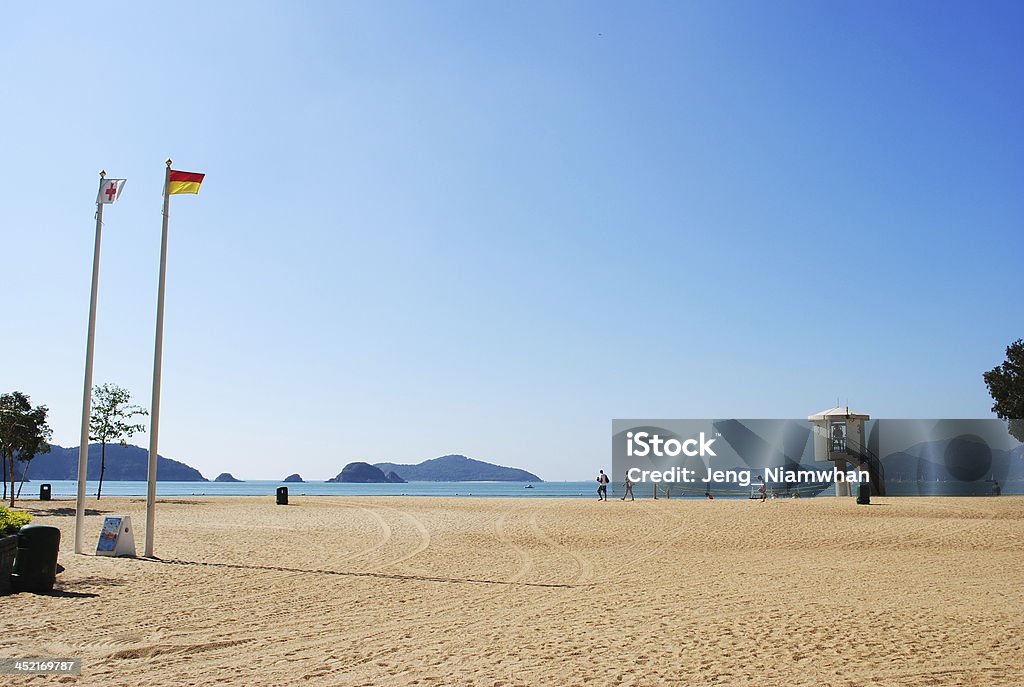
(602,486)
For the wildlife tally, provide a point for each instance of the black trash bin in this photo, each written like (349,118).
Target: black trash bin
(864,494)
(282,496)
(35,560)
(44,492)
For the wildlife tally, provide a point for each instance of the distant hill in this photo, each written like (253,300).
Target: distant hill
(124,463)
(929,462)
(456,468)
(293,478)
(226,477)
(364,473)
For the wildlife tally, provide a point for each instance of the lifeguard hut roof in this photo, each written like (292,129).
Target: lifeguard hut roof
(836,414)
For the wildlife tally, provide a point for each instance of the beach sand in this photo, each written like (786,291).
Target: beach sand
(449,591)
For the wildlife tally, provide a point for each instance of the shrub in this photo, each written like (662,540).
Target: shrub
(11,521)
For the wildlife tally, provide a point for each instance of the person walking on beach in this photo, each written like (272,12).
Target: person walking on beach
(629,489)
(602,486)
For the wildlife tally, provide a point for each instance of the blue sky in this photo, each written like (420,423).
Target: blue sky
(490,228)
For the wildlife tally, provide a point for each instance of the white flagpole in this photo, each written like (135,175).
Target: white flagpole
(154,418)
(83,446)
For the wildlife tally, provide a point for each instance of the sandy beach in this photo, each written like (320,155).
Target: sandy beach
(438,591)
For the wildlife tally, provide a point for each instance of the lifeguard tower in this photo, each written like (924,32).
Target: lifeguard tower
(839,438)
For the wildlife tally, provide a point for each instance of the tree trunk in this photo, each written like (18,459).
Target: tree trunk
(3,471)
(10,466)
(25,476)
(103,467)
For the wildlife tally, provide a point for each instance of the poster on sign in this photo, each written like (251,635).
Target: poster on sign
(116,537)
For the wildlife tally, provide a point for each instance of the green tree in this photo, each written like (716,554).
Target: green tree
(24,433)
(1006,387)
(110,420)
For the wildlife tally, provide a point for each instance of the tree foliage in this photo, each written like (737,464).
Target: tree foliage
(24,433)
(111,420)
(11,521)
(1006,387)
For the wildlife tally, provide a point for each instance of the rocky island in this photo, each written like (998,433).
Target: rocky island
(459,468)
(364,473)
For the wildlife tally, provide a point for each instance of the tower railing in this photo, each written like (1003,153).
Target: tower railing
(870,461)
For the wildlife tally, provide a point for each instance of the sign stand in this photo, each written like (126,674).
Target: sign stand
(117,537)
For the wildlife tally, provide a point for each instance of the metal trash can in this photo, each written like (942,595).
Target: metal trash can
(44,492)
(864,495)
(35,560)
(282,496)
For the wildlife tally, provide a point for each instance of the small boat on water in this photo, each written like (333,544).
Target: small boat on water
(528,486)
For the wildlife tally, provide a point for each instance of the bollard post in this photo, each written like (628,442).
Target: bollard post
(864,495)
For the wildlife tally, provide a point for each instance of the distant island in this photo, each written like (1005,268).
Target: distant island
(452,468)
(131,464)
(124,463)
(458,468)
(364,473)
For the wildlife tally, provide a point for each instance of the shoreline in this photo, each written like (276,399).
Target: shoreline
(67,489)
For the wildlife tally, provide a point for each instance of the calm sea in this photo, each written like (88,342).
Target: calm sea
(68,489)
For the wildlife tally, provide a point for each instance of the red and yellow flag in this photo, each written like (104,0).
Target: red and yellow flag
(183,182)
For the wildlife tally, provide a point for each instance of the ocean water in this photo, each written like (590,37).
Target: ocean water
(63,489)
(69,489)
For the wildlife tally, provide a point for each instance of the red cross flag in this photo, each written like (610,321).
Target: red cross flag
(110,190)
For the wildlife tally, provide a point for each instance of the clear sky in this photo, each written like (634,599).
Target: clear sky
(490,228)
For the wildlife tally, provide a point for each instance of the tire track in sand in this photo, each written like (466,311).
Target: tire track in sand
(385,531)
(585,569)
(424,535)
(664,518)
(525,559)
